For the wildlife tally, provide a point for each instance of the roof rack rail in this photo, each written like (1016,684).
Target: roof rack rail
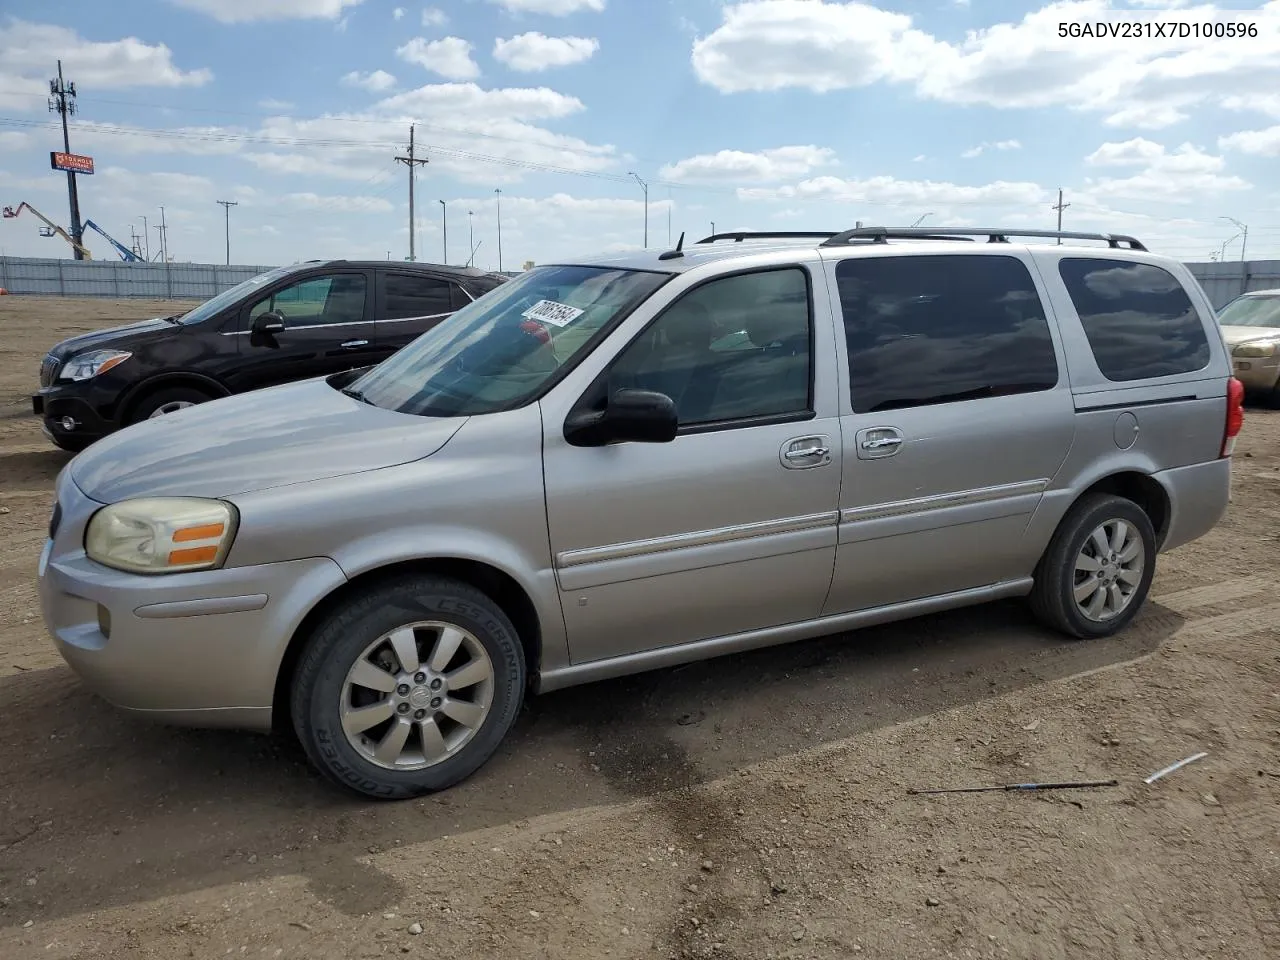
(740,235)
(993,235)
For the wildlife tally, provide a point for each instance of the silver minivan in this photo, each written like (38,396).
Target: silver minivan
(621,463)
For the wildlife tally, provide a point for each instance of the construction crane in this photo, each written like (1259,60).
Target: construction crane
(50,229)
(125,253)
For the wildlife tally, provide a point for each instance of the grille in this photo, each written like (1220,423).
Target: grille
(48,371)
(55,520)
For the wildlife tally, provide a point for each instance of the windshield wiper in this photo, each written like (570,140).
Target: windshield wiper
(357,395)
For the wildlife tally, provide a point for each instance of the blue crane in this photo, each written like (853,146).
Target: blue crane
(125,253)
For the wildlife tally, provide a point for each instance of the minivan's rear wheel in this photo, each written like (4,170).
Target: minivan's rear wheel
(167,401)
(408,687)
(1097,570)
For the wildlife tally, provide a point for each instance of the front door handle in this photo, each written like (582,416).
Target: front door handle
(801,453)
(355,344)
(880,443)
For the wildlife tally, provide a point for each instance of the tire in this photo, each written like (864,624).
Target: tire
(154,404)
(1273,398)
(1054,596)
(358,634)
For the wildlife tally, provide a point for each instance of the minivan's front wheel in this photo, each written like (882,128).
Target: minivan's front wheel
(408,687)
(1097,570)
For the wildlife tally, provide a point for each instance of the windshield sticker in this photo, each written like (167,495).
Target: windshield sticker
(556,314)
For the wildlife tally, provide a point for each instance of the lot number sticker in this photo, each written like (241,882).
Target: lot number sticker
(556,314)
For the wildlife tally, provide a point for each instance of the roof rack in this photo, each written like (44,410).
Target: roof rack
(740,235)
(993,235)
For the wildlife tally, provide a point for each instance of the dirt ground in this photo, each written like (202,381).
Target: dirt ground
(749,807)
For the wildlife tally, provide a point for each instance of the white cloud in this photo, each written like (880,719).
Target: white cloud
(27,51)
(379,81)
(450,57)
(824,45)
(555,8)
(779,163)
(919,158)
(536,51)
(433,17)
(12,141)
(1267,103)
(339,204)
(1182,176)
(397,13)
(247,11)
(272,104)
(983,147)
(1135,152)
(890,190)
(1261,143)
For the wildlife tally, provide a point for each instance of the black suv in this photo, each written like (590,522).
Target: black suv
(307,320)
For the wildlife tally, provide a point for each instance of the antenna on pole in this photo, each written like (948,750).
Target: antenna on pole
(411,161)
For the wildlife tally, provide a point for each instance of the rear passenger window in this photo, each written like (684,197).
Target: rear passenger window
(941,329)
(415,297)
(1139,321)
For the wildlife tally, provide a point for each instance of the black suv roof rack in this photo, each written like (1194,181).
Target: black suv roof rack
(740,235)
(993,235)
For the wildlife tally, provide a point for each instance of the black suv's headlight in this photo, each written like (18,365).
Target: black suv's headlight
(85,366)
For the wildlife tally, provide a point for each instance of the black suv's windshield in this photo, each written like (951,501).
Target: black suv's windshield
(498,352)
(231,295)
(1251,312)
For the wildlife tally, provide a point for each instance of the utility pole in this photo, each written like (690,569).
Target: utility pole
(411,161)
(645,187)
(444,222)
(164,238)
(226,207)
(62,101)
(135,240)
(146,238)
(498,193)
(1060,206)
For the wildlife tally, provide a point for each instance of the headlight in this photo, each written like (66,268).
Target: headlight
(87,365)
(162,534)
(1264,349)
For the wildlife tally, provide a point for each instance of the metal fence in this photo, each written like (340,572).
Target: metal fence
(1223,282)
(199,281)
(107,278)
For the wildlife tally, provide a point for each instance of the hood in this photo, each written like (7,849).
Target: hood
(251,441)
(110,337)
(1238,335)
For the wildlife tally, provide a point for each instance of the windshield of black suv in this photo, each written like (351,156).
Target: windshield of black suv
(231,295)
(496,353)
(1251,312)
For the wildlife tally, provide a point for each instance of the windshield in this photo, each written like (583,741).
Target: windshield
(1251,312)
(496,353)
(230,296)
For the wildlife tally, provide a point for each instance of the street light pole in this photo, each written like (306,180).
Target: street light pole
(713,228)
(471,233)
(498,193)
(444,220)
(645,187)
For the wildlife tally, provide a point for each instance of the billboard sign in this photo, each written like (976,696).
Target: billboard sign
(73,162)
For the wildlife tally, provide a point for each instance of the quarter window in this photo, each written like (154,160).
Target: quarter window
(416,297)
(1139,321)
(317,300)
(733,349)
(942,329)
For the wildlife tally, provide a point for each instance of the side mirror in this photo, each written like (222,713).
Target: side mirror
(631,416)
(268,323)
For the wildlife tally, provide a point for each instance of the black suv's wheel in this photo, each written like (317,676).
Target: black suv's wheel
(167,401)
(408,687)
(1096,572)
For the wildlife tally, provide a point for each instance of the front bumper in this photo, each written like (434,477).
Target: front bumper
(198,648)
(70,412)
(1258,374)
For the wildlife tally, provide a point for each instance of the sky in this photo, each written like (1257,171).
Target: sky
(753,114)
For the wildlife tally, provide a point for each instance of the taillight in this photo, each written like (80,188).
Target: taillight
(1235,415)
